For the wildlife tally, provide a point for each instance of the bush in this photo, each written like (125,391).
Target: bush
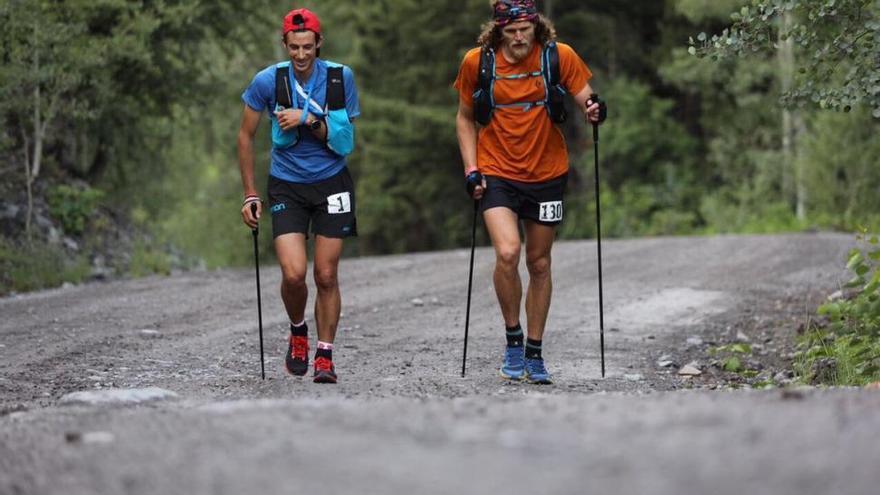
(148,260)
(73,206)
(33,266)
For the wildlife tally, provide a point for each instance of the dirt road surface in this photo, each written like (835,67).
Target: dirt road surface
(193,417)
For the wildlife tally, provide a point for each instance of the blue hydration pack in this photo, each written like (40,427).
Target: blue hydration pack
(340,131)
(554,92)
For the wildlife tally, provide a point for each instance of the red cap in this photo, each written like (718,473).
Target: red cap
(299,19)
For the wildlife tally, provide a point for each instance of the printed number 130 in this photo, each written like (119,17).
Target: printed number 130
(551,211)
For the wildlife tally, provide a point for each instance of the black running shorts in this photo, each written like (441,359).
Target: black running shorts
(328,206)
(540,202)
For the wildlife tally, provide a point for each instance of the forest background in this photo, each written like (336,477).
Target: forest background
(120,118)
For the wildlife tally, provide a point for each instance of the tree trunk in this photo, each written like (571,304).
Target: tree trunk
(793,186)
(27,182)
(34,161)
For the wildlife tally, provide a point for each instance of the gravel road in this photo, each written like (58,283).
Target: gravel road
(402,419)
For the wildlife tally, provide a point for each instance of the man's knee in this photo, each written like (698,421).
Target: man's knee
(292,277)
(325,278)
(538,266)
(508,256)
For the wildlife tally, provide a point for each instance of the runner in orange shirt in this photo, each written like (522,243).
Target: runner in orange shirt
(517,164)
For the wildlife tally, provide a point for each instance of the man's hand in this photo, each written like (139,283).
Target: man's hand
(251,211)
(289,119)
(475,184)
(596,109)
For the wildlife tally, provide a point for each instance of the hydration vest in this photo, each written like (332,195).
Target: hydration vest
(554,92)
(340,131)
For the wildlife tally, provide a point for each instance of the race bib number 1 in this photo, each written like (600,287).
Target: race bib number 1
(339,203)
(550,211)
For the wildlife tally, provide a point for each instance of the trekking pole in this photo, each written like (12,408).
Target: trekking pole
(595,99)
(256,233)
(467,317)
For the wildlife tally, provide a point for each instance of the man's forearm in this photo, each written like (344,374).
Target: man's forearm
(246,164)
(466,130)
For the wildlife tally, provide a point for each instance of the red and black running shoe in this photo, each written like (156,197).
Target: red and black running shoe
(297,361)
(324,371)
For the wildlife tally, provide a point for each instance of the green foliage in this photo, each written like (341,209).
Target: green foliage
(700,10)
(731,358)
(732,364)
(73,206)
(410,193)
(838,40)
(646,166)
(32,266)
(841,160)
(148,260)
(851,340)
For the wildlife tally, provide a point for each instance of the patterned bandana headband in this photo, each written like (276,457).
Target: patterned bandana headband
(507,11)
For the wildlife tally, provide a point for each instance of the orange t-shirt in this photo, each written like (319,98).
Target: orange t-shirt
(519,145)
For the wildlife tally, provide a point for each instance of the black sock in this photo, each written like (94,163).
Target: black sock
(300,331)
(514,336)
(325,353)
(533,349)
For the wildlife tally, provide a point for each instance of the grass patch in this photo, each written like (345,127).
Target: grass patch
(34,265)
(845,351)
(148,260)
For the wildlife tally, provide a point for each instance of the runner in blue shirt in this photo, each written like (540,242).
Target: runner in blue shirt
(311,105)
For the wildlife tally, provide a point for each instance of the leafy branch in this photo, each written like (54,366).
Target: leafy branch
(837,41)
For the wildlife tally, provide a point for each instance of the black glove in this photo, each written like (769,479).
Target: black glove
(471,182)
(603,108)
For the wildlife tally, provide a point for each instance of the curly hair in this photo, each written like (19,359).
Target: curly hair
(491,35)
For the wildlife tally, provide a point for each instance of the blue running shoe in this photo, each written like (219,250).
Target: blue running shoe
(535,372)
(514,365)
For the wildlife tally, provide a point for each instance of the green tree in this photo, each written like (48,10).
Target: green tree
(47,57)
(838,42)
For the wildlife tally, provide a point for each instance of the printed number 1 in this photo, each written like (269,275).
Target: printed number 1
(339,203)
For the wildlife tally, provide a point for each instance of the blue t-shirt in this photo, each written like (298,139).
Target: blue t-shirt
(310,160)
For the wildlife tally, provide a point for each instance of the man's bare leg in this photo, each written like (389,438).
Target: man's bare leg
(504,232)
(539,243)
(328,302)
(291,252)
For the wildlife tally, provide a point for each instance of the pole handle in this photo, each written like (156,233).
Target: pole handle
(594,98)
(255,230)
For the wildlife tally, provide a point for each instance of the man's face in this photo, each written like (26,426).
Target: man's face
(519,37)
(302,47)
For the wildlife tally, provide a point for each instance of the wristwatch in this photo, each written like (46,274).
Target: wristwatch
(316,125)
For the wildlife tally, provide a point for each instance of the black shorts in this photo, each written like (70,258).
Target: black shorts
(328,205)
(540,202)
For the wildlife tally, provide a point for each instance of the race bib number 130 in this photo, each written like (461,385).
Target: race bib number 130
(550,211)
(339,203)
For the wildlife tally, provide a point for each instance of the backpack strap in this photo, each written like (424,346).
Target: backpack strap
(335,88)
(340,130)
(484,97)
(555,91)
(551,54)
(283,88)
